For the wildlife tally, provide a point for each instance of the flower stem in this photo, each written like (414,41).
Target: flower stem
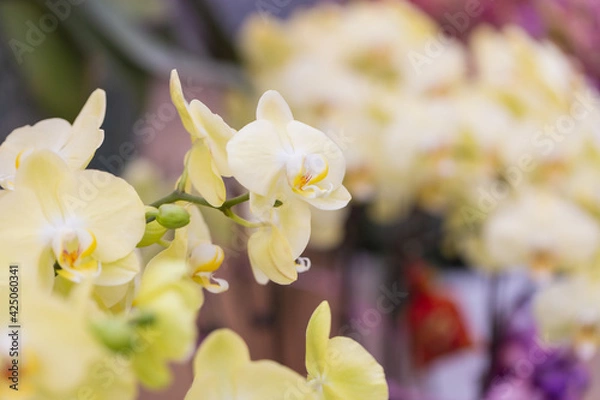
(181,196)
(181,183)
(239,220)
(236,200)
(225,208)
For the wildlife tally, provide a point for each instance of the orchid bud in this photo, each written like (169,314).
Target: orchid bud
(173,216)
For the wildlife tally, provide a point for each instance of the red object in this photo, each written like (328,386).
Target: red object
(435,323)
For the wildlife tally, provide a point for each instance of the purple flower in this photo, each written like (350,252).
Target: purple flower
(526,369)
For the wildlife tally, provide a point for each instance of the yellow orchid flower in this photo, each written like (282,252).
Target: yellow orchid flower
(82,223)
(278,156)
(76,143)
(193,244)
(274,249)
(59,357)
(170,300)
(223,371)
(339,368)
(207,159)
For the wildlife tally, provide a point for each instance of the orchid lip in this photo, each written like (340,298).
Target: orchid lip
(73,249)
(305,172)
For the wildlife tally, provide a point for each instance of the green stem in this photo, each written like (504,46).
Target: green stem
(225,208)
(236,200)
(182,179)
(163,243)
(182,196)
(236,218)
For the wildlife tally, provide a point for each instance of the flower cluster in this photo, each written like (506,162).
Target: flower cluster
(98,319)
(498,136)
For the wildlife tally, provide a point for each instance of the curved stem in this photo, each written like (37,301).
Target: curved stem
(181,196)
(225,208)
(164,243)
(236,218)
(181,183)
(236,200)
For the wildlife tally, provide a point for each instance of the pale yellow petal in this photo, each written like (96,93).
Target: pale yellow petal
(205,388)
(214,285)
(220,355)
(335,200)
(352,373)
(158,274)
(216,131)
(272,107)
(205,257)
(269,251)
(92,113)
(259,276)
(61,368)
(307,140)
(22,239)
(45,174)
(204,174)
(242,379)
(197,230)
(176,316)
(268,380)
(85,135)
(261,206)
(109,208)
(48,134)
(294,220)
(257,156)
(203,124)
(76,144)
(317,338)
(176,252)
(181,104)
(110,296)
(151,370)
(119,272)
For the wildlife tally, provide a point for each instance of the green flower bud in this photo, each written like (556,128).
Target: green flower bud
(173,216)
(153,233)
(115,334)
